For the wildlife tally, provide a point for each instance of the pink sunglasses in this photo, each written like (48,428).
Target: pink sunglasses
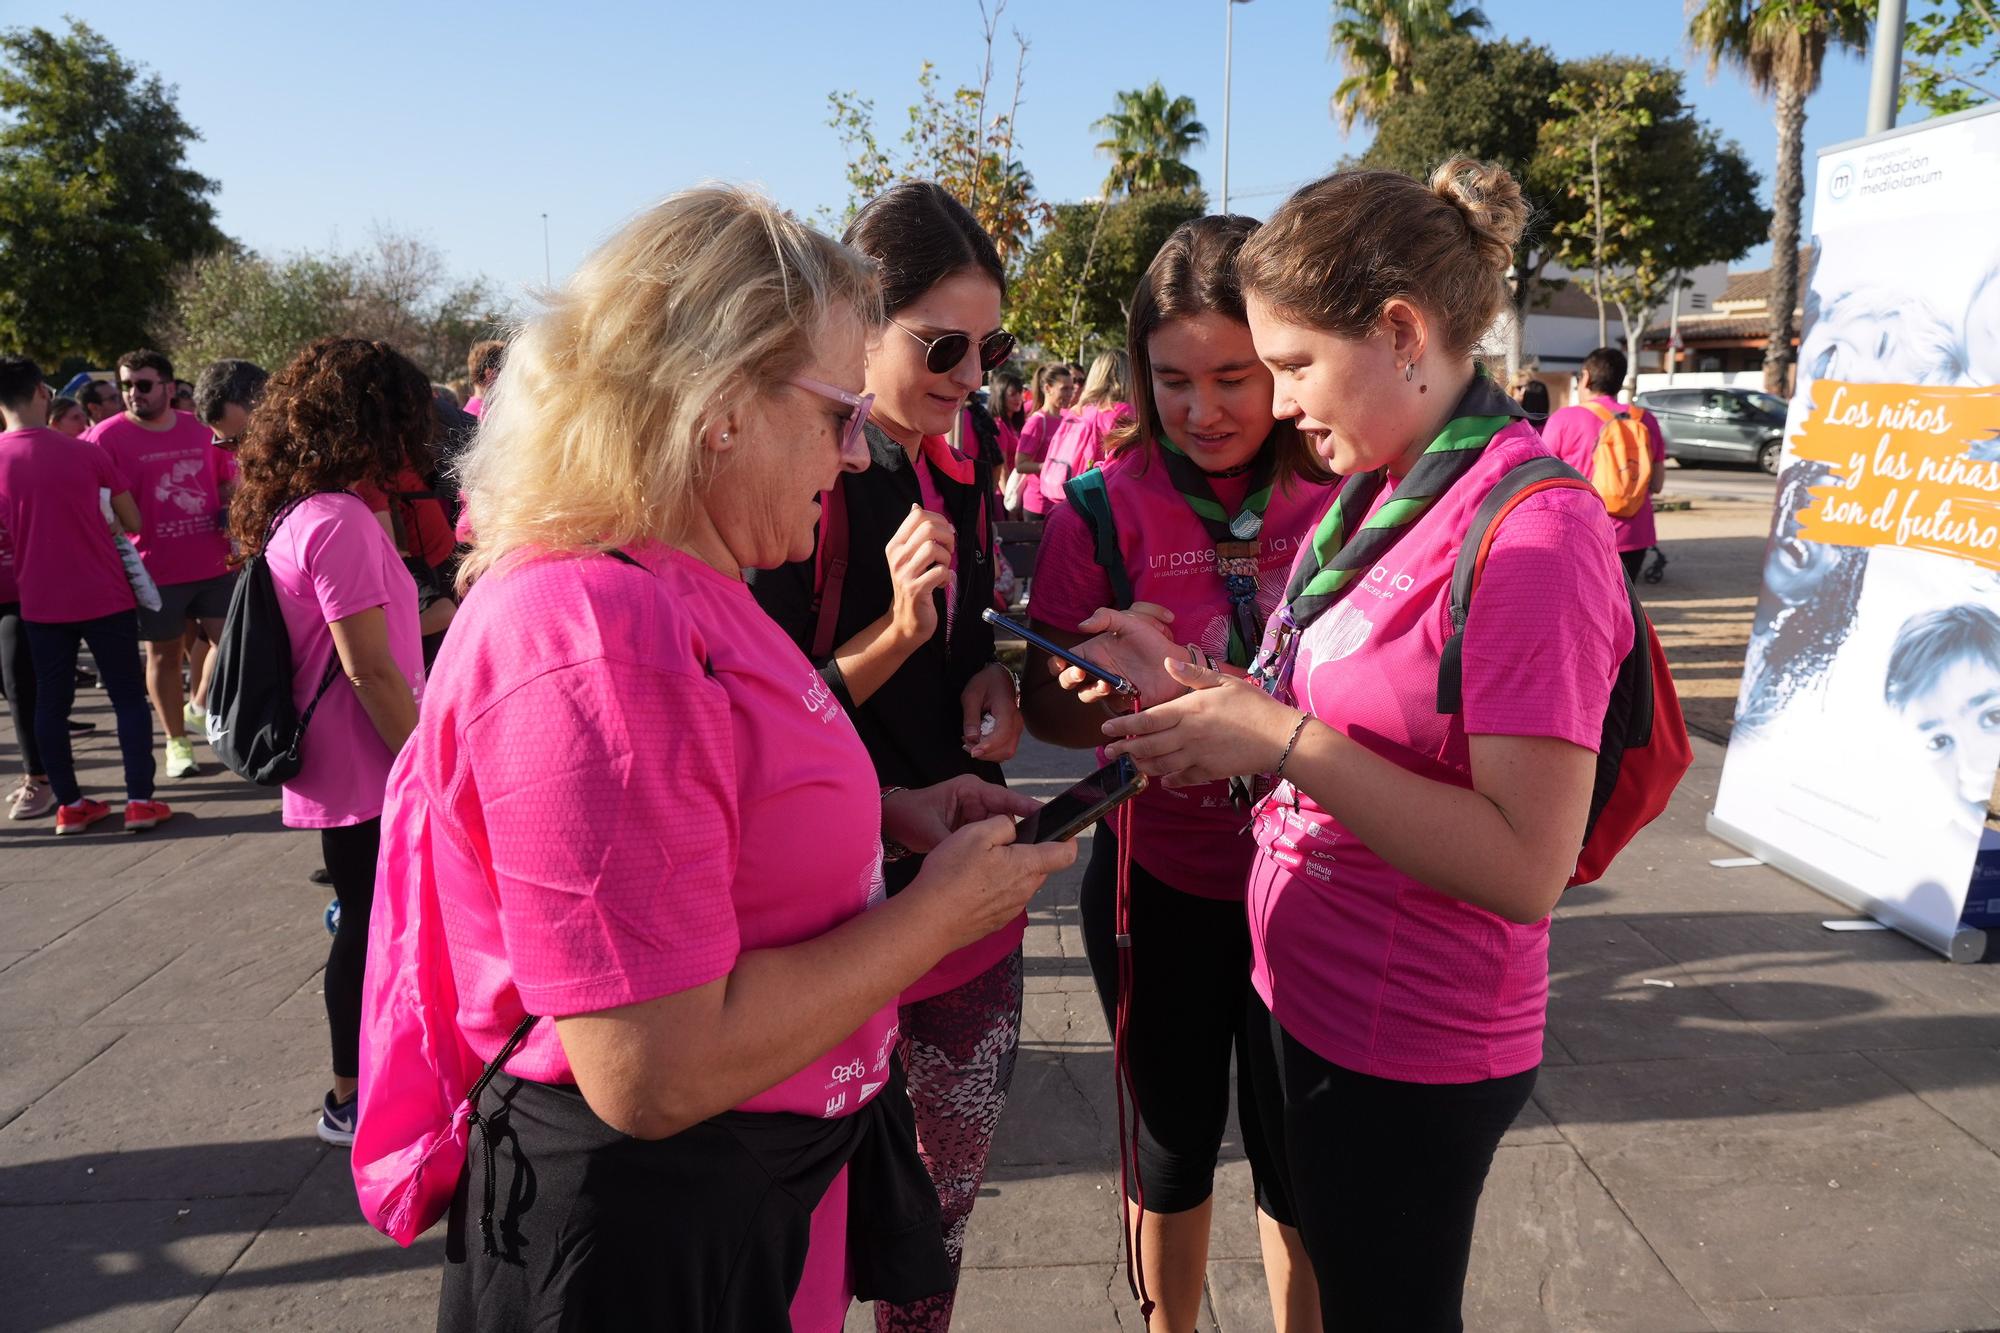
(850,435)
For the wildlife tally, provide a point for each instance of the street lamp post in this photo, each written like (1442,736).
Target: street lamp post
(1228,60)
(1887,74)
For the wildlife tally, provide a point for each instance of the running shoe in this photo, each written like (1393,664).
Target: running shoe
(336,1122)
(31,801)
(320,876)
(140,815)
(76,818)
(194,719)
(180,757)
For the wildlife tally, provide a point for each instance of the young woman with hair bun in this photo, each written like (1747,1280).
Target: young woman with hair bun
(1407,860)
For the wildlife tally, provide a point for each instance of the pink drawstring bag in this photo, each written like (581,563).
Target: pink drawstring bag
(419,1079)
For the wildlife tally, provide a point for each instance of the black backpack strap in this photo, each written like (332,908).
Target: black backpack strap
(1537,473)
(1088,494)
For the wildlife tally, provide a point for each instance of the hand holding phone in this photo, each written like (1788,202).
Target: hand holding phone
(1084,804)
(1116,682)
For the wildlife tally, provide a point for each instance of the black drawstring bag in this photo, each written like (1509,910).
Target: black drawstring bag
(253,726)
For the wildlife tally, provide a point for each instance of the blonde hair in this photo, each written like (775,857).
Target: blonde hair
(1342,248)
(593,437)
(1108,382)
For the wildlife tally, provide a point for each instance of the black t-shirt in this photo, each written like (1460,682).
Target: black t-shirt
(913,725)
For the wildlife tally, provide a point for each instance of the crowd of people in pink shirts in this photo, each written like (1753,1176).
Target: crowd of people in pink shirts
(704,1014)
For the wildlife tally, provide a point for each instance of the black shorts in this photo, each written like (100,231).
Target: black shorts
(599,1231)
(203,599)
(1190,976)
(1381,1177)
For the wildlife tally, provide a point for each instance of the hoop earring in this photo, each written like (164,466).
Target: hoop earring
(1409,372)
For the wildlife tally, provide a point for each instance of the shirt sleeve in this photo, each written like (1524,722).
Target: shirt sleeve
(613,854)
(1034,442)
(108,475)
(1659,440)
(1549,625)
(1069,583)
(348,573)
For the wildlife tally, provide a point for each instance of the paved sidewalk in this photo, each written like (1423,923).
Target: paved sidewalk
(1799,1133)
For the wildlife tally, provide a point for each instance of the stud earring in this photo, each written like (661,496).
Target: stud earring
(725,437)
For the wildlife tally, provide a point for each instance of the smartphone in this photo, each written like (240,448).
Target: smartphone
(1084,804)
(1083,664)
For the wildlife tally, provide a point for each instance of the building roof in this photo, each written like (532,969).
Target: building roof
(1710,328)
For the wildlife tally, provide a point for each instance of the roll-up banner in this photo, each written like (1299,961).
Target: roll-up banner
(1867,735)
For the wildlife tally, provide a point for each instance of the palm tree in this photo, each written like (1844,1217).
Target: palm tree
(1146,136)
(1377,42)
(1780,45)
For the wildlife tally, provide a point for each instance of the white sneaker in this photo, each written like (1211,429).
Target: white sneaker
(180,757)
(31,801)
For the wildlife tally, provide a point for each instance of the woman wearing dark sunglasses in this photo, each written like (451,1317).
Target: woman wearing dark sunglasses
(899,639)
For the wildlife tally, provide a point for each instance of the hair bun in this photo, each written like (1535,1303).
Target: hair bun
(1490,198)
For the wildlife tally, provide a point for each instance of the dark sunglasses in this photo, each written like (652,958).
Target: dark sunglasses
(942,354)
(138,386)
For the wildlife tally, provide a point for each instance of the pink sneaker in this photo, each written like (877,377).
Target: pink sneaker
(76,818)
(145,814)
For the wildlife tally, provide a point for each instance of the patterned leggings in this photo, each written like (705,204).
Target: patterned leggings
(958,1049)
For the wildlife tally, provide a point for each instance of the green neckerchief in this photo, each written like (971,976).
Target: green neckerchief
(1341,553)
(1235,536)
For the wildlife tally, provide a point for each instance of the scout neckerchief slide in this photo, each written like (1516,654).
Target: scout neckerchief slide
(1235,537)
(1349,540)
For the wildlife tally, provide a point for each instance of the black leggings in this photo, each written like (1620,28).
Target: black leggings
(17,678)
(1190,974)
(349,854)
(1384,1177)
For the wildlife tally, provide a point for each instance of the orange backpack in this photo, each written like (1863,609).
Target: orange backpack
(1621,468)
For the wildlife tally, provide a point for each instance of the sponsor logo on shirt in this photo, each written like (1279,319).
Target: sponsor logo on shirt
(818,699)
(1275,552)
(1337,634)
(834,1105)
(1381,583)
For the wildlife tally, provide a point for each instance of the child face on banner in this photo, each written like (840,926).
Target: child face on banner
(1956,725)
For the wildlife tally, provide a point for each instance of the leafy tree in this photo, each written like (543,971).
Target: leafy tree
(1780,46)
(1147,134)
(1952,57)
(236,303)
(953,140)
(1486,100)
(1054,306)
(1378,43)
(1656,193)
(97,202)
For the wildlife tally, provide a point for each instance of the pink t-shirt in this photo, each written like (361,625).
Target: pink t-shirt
(1078,446)
(1036,432)
(1366,966)
(709,796)
(329,560)
(1571,435)
(1190,837)
(476,405)
(175,480)
(65,562)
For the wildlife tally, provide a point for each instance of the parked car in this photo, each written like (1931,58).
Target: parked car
(1719,425)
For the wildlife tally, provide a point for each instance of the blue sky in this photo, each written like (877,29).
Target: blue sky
(465,124)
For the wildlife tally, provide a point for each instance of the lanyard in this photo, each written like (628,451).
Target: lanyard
(1236,536)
